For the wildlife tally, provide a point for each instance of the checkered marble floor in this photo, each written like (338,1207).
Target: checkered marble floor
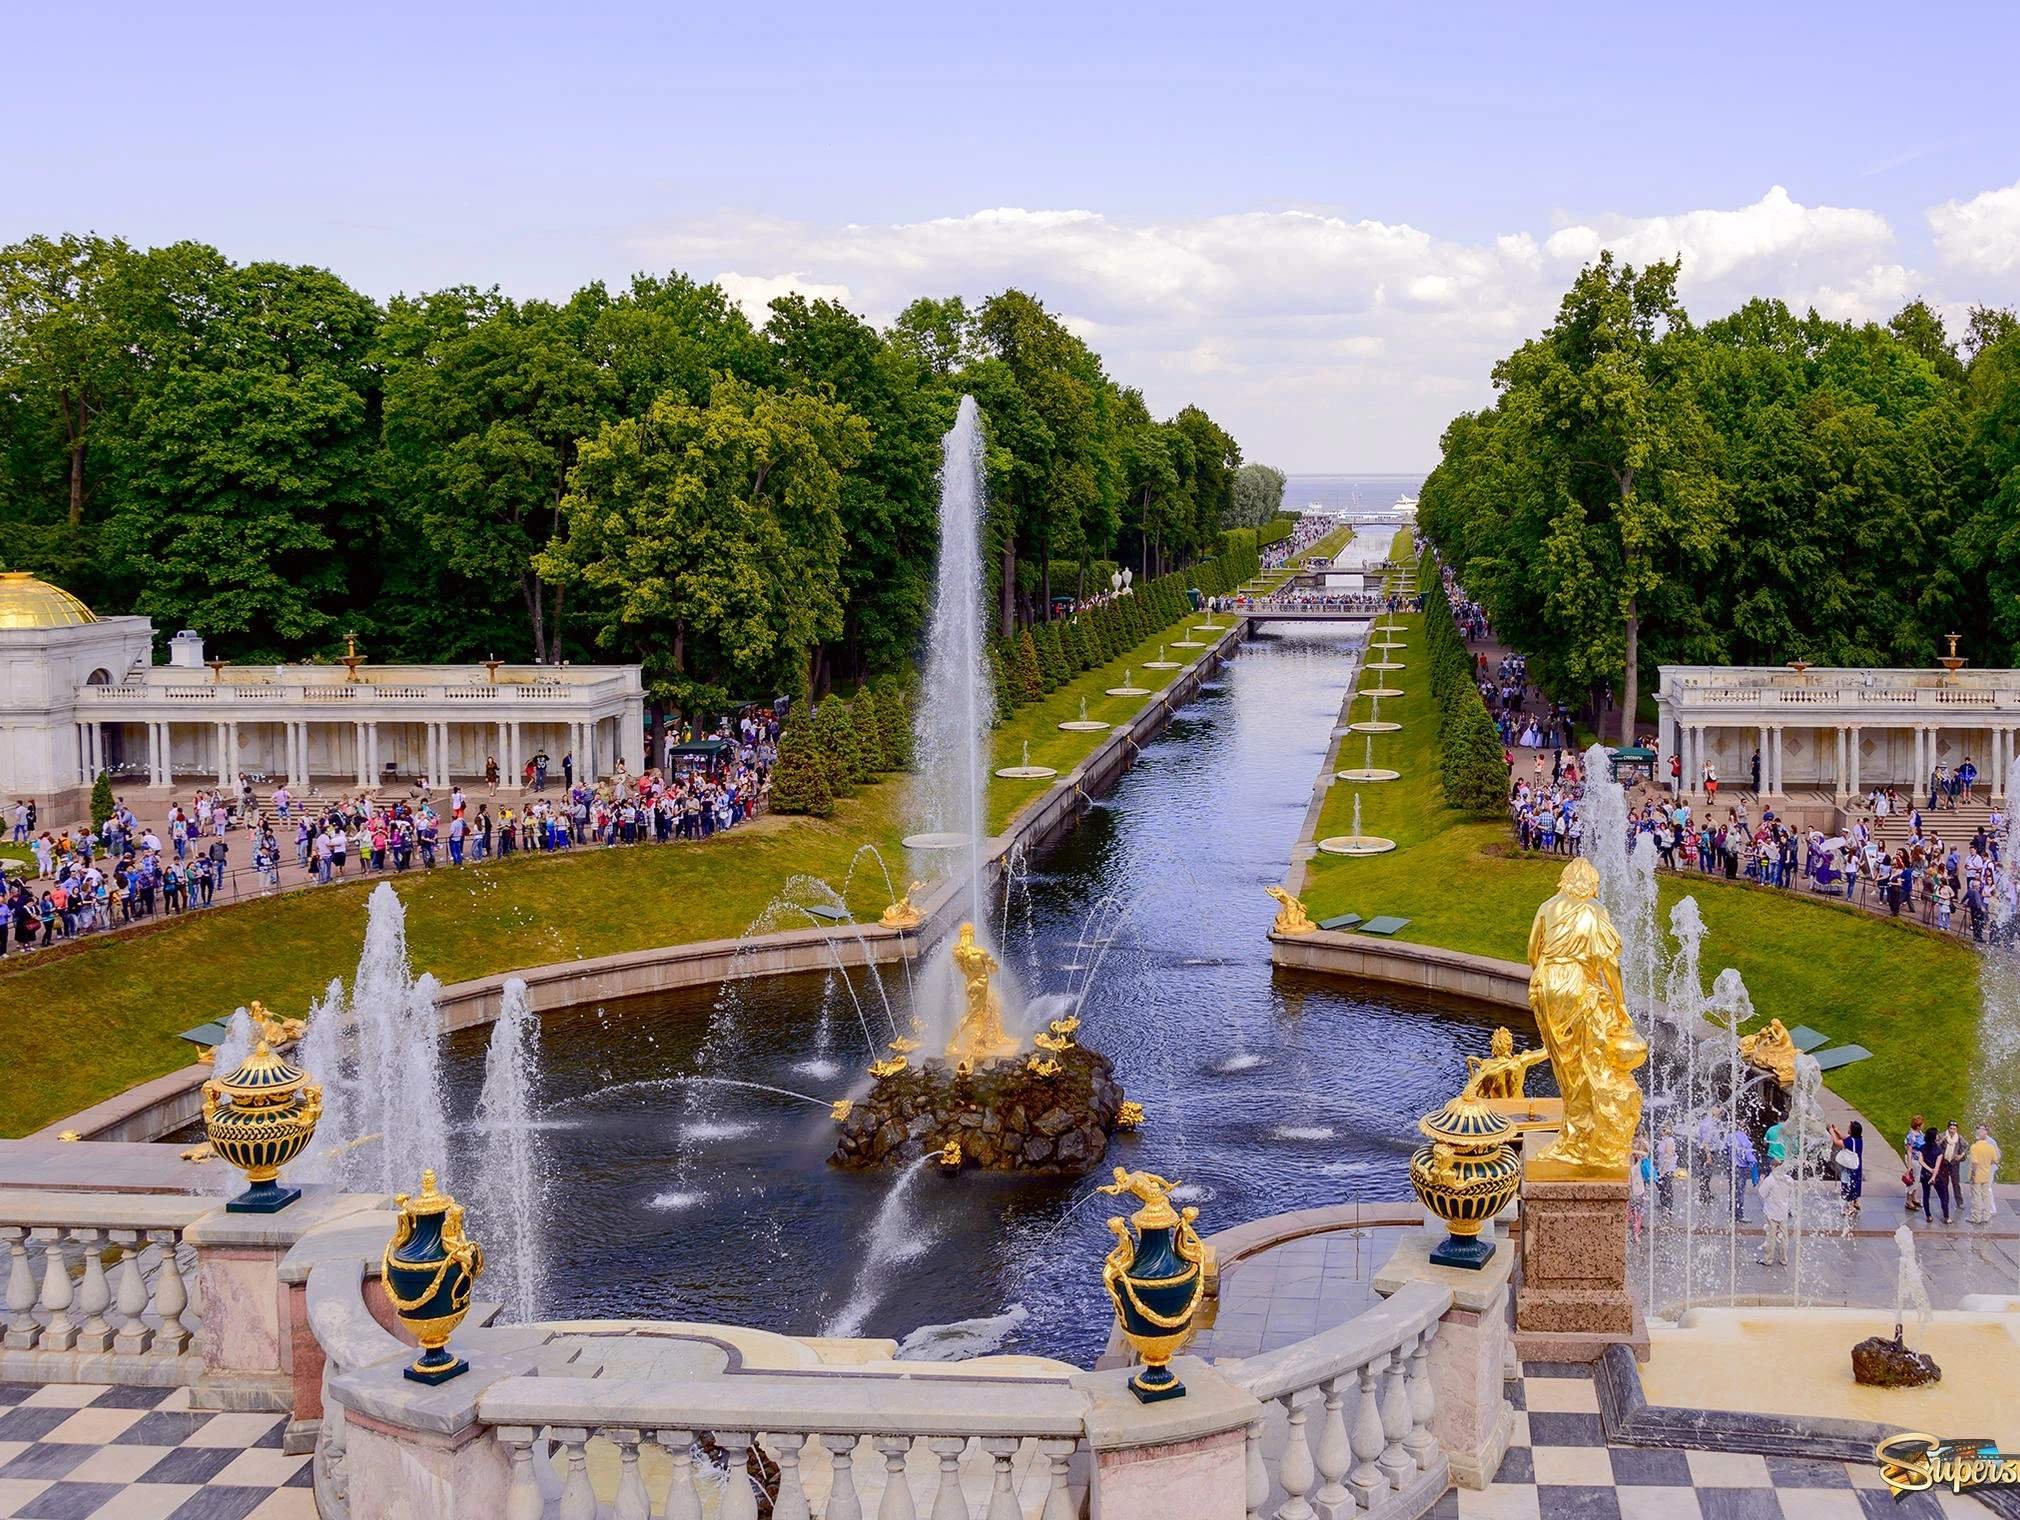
(81,1451)
(1559,1467)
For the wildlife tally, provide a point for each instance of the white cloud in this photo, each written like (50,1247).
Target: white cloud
(1982,233)
(755,293)
(1321,341)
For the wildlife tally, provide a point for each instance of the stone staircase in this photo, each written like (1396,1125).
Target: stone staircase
(1953,826)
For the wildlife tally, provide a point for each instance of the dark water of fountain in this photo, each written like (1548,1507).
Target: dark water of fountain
(1264,1091)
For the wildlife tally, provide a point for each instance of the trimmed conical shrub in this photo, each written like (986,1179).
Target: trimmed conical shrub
(894,726)
(800,779)
(1051,656)
(834,740)
(1030,681)
(101,800)
(863,708)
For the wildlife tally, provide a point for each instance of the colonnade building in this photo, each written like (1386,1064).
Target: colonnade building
(80,694)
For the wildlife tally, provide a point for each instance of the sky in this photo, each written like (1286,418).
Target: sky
(1321,224)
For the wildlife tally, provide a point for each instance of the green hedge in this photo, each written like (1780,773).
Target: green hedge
(1275,531)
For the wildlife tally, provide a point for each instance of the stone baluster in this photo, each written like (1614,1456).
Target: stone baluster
(739,1495)
(58,1331)
(171,1298)
(631,1502)
(1257,1489)
(129,1296)
(94,1294)
(1295,1472)
(1335,1456)
(844,1503)
(682,1502)
(897,1502)
(1059,1503)
(21,1325)
(1395,1462)
(1366,1480)
(578,1499)
(1002,1498)
(948,1502)
(791,1503)
(523,1500)
(1422,1441)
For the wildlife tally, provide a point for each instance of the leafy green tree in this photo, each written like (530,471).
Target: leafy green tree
(894,722)
(711,539)
(1029,680)
(102,804)
(1258,495)
(867,714)
(834,743)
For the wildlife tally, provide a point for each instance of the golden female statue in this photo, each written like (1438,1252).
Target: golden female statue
(980,1037)
(1291,916)
(1575,993)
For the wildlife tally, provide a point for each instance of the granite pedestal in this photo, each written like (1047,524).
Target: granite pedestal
(1574,1301)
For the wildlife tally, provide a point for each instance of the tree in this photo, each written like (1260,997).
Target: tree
(1258,496)
(1607,396)
(800,779)
(102,804)
(711,537)
(894,720)
(834,740)
(866,711)
(1030,680)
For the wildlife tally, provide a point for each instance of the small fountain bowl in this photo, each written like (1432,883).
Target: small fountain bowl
(1381,691)
(1085,725)
(1187,644)
(1129,691)
(1161,664)
(1374,726)
(1356,844)
(1367,773)
(942,840)
(1026,772)
(1385,665)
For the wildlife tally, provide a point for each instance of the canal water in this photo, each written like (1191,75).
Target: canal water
(1265,1091)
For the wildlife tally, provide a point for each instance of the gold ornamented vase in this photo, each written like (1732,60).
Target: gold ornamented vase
(1465,1176)
(1155,1277)
(259,1118)
(430,1269)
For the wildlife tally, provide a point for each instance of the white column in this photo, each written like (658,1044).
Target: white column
(1998,777)
(231,752)
(633,740)
(223,755)
(510,745)
(434,754)
(372,768)
(80,754)
(158,735)
(1773,762)
(1767,780)
(503,752)
(1852,743)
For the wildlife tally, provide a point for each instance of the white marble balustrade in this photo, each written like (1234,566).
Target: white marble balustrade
(1349,1429)
(98,1287)
(831,1447)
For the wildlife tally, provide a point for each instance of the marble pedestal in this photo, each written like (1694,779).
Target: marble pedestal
(1474,1421)
(1573,1301)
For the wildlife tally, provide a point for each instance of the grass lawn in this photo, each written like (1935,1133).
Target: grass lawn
(87,1021)
(1907,995)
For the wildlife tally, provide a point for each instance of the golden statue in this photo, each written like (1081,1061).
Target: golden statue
(902,914)
(980,1038)
(1291,916)
(1501,1073)
(1771,1049)
(1575,993)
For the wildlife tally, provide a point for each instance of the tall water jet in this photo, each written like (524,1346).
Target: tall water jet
(510,1187)
(378,1054)
(956,699)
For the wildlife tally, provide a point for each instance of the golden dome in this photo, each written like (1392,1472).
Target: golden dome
(26,602)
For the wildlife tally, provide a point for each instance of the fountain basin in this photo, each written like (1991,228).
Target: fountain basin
(1003,1116)
(1160,664)
(1356,844)
(1367,773)
(1380,691)
(1374,726)
(1184,644)
(1085,725)
(1385,665)
(1129,691)
(1388,646)
(941,840)
(1026,772)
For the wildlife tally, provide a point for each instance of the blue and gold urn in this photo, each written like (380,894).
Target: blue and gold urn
(1155,1276)
(1465,1176)
(430,1269)
(259,1118)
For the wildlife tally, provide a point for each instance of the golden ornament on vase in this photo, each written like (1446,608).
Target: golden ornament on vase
(430,1269)
(1581,1011)
(1466,1175)
(259,1118)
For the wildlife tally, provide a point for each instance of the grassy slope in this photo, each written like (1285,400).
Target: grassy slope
(83,1023)
(1908,996)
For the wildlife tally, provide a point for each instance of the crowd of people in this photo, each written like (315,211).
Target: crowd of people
(90,880)
(1308,530)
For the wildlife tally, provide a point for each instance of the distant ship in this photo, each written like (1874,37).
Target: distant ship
(1406,506)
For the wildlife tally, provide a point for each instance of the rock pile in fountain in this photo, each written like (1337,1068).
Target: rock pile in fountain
(1004,1116)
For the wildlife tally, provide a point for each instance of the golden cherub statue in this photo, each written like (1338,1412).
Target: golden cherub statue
(980,1037)
(1501,1073)
(1291,916)
(1149,1189)
(1771,1049)
(1581,1011)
